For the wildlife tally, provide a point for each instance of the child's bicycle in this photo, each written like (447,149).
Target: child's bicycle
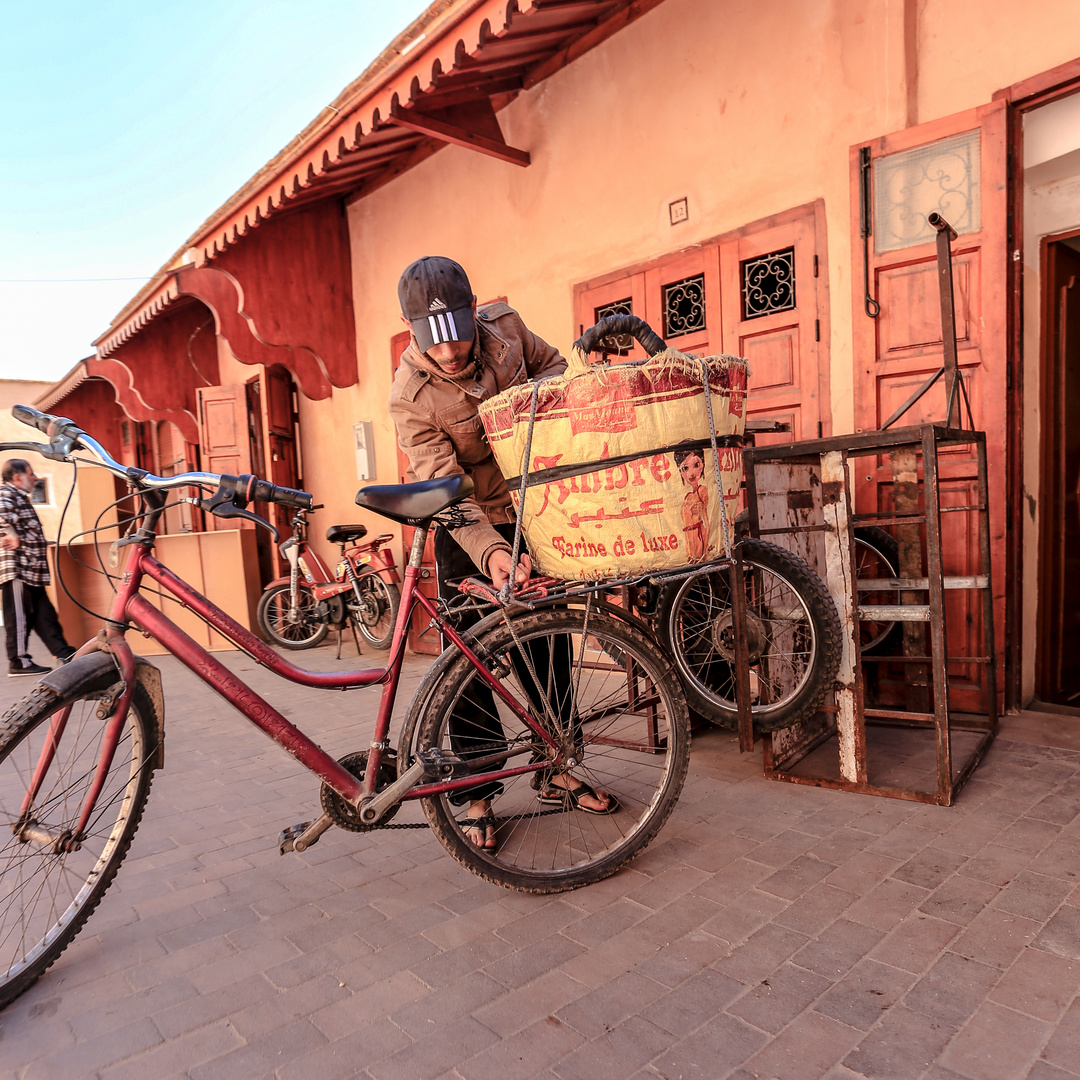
(521,708)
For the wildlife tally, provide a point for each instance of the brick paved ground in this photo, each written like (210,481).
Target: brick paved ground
(771,931)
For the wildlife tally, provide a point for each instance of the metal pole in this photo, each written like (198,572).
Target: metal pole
(945,234)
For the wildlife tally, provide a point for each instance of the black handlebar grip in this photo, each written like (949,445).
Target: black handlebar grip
(35,419)
(613,325)
(264,491)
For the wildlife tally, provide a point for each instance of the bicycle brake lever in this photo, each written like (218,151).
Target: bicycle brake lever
(44,449)
(227,510)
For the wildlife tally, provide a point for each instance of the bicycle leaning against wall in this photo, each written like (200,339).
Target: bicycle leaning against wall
(296,611)
(514,703)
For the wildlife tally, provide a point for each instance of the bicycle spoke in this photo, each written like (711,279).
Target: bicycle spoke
(602,695)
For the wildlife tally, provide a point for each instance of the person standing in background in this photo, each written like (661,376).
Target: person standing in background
(24,573)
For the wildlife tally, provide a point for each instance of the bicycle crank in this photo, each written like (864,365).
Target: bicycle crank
(344,814)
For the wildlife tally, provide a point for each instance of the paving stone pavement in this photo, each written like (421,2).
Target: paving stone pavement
(770,931)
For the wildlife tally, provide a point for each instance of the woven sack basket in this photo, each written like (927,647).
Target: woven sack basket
(623,477)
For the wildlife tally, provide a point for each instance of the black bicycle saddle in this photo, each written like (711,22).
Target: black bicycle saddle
(415,504)
(342,534)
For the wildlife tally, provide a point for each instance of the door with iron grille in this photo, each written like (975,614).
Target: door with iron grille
(758,292)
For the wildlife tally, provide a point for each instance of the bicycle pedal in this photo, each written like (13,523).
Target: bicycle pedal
(287,837)
(439,765)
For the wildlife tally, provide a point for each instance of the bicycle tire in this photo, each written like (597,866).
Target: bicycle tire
(793,632)
(376,619)
(46,897)
(411,721)
(273,617)
(635,743)
(877,555)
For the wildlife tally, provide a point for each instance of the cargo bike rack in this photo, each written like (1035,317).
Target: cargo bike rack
(547,590)
(922,748)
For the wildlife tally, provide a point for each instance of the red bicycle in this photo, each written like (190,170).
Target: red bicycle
(519,708)
(297,611)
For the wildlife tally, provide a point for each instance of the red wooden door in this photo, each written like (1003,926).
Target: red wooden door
(758,292)
(678,297)
(225,443)
(422,638)
(772,294)
(279,422)
(626,296)
(957,167)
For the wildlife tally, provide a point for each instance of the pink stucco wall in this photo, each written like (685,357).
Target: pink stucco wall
(745,107)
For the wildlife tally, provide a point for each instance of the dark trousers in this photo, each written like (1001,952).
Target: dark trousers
(26,608)
(474,727)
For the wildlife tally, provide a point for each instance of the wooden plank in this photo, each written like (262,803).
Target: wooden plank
(839,573)
(447,132)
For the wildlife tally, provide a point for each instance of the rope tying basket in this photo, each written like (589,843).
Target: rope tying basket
(619,467)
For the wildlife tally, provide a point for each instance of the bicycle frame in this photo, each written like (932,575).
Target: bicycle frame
(129,606)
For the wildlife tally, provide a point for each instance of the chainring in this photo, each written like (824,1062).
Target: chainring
(344,814)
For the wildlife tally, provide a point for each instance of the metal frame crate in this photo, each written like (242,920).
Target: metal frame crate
(799,496)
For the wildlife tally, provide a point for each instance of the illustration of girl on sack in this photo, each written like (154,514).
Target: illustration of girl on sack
(695,508)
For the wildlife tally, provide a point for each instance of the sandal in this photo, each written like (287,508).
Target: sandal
(560,796)
(480,825)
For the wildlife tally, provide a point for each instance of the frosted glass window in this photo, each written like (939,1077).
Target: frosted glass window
(909,186)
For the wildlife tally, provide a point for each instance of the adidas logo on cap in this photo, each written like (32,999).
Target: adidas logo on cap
(437,305)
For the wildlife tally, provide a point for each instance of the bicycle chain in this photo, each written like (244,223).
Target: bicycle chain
(345,816)
(425,825)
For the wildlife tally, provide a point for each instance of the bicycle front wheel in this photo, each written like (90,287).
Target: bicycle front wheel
(47,893)
(608,698)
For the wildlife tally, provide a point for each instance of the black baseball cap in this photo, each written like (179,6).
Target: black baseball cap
(437,299)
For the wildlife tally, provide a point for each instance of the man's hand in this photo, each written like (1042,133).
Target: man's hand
(499,563)
(9,543)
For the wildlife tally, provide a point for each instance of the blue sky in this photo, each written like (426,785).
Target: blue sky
(125,124)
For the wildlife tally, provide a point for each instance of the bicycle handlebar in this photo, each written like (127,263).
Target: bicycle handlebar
(26,415)
(65,437)
(255,490)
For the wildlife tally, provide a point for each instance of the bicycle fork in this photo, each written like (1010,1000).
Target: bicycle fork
(114,710)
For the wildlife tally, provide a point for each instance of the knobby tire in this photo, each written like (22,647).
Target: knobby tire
(603,683)
(793,634)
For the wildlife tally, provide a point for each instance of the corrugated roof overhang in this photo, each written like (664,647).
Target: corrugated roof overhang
(442,81)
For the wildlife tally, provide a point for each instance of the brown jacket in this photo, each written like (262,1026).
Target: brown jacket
(438,426)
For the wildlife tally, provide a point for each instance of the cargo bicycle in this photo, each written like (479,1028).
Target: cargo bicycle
(522,699)
(791,626)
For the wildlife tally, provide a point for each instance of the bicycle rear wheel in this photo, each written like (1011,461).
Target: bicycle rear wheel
(47,895)
(609,698)
(289,627)
(376,612)
(793,638)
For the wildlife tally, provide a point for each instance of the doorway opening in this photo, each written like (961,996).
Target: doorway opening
(1051,345)
(1058,643)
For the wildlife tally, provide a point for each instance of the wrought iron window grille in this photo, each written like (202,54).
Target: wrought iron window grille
(620,344)
(768,283)
(684,306)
